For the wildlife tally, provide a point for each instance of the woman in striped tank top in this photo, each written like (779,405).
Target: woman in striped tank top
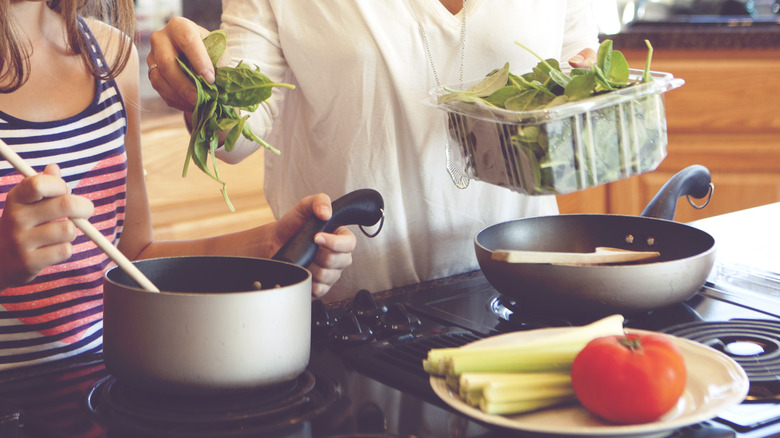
(70,107)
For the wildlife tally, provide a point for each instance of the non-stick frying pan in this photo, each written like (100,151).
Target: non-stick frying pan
(211,329)
(687,256)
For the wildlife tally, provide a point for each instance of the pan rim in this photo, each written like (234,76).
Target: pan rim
(711,244)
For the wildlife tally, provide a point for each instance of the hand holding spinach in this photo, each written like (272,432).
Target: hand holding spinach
(217,108)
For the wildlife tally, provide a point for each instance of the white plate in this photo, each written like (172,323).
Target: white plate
(715,383)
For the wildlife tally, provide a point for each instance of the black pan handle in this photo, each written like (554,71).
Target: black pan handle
(362,207)
(693,181)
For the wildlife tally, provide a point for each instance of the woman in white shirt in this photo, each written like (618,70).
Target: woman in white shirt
(356,119)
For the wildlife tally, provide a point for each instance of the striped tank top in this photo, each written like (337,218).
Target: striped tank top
(60,313)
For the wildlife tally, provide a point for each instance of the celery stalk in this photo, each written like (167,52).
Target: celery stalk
(558,358)
(506,394)
(472,381)
(519,377)
(522,406)
(503,388)
(554,351)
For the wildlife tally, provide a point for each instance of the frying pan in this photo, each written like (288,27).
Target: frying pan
(686,256)
(210,329)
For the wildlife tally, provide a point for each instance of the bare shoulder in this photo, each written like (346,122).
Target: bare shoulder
(111,40)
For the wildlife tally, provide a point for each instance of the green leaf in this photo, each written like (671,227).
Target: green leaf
(215,43)
(215,110)
(491,83)
(646,74)
(527,100)
(234,128)
(551,67)
(462,96)
(602,83)
(243,87)
(604,56)
(581,86)
(619,72)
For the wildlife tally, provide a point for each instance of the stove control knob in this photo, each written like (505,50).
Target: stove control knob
(321,320)
(349,330)
(399,320)
(365,307)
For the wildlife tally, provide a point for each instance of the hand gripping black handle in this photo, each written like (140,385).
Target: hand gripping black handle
(362,207)
(693,181)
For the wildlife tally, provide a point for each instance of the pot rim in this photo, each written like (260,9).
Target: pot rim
(136,288)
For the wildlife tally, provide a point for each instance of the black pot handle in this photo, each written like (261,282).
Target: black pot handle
(693,181)
(364,207)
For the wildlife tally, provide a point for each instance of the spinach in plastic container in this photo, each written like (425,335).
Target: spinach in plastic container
(242,87)
(552,154)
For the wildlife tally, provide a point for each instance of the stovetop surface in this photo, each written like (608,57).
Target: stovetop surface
(373,369)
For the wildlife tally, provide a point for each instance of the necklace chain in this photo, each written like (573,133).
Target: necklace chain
(427,45)
(459,178)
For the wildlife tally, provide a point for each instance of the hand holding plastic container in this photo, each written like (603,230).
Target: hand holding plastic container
(554,131)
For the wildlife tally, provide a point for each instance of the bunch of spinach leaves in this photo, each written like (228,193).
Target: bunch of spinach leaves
(548,85)
(217,108)
(549,150)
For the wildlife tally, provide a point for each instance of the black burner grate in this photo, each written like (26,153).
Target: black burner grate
(754,344)
(130,411)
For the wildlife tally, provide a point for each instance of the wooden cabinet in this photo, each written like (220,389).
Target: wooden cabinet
(726,117)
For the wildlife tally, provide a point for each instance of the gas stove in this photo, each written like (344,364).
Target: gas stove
(365,377)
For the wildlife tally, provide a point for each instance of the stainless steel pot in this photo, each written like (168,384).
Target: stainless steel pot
(211,329)
(687,256)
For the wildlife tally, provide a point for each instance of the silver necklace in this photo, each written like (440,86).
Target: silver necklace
(460,179)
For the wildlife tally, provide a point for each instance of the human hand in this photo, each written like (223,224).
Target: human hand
(584,59)
(335,250)
(179,36)
(32,234)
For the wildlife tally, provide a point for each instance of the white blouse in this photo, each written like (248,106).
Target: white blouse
(358,119)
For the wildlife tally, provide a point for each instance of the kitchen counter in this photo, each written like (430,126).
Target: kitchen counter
(746,251)
(692,36)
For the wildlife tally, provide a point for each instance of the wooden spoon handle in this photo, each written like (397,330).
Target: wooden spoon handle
(85,226)
(602,255)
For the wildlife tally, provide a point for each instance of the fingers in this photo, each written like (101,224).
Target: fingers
(33,232)
(335,249)
(293,220)
(341,241)
(321,206)
(23,263)
(179,37)
(584,59)
(44,198)
(333,256)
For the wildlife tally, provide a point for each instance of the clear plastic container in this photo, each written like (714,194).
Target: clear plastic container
(565,148)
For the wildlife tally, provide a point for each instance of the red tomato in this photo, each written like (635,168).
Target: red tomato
(628,379)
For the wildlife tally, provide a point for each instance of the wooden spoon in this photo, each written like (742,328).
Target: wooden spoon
(85,226)
(602,255)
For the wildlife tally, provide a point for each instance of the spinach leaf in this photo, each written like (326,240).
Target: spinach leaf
(217,108)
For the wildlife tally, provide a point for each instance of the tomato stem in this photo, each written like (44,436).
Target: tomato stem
(633,343)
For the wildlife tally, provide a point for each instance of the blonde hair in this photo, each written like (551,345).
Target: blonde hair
(15,50)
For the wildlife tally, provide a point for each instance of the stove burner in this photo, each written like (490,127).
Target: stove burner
(276,408)
(523,317)
(752,343)
(517,316)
